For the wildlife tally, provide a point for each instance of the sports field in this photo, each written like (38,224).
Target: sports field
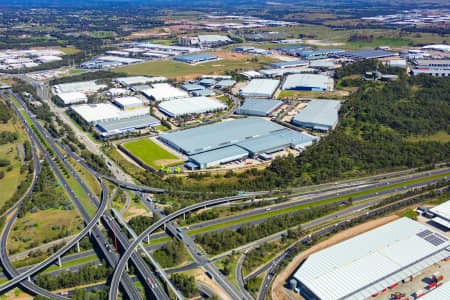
(151,154)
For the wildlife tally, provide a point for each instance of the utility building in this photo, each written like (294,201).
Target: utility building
(372,262)
(72,98)
(128,103)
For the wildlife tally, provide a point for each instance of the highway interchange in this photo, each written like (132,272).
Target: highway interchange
(129,247)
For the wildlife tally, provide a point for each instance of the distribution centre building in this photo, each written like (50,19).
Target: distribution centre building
(83,87)
(118,127)
(320,114)
(218,143)
(259,107)
(128,103)
(94,113)
(365,54)
(164,92)
(134,80)
(260,88)
(289,64)
(372,262)
(307,82)
(442,214)
(219,156)
(196,58)
(192,105)
(72,98)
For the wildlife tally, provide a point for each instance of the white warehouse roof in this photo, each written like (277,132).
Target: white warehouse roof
(93,113)
(260,88)
(129,101)
(184,106)
(72,97)
(133,80)
(366,264)
(83,86)
(164,91)
(442,214)
(442,292)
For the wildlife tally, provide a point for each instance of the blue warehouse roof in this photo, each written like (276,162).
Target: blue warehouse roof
(259,107)
(209,137)
(192,87)
(195,57)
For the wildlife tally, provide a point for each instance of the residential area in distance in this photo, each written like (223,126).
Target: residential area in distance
(224,150)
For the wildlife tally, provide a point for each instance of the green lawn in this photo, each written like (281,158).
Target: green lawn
(174,69)
(71,263)
(151,154)
(440,136)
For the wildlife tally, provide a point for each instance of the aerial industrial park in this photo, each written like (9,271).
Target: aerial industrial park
(224,150)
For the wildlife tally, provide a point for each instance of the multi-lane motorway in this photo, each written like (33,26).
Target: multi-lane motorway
(129,248)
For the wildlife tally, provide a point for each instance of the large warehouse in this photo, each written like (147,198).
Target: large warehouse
(94,113)
(134,80)
(164,92)
(128,103)
(83,87)
(259,107)
(192,105)
(442,214)
(260,88)
(307,82)
(72,98)
(121,126)
(371,262)
(196,58)
(227,141)
(365,54)
(319,114)
(206,138)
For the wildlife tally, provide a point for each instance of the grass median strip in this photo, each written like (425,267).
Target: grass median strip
(72,263)
(302,206)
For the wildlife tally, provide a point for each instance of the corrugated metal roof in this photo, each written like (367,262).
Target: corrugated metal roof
(218,135)
(124,124)
(366,54)
(219,155)
(260,88)
(190,105)
(306,80)
(195,57)
(288,63)
(276,141)
(364,265)
(442,292)
(318,113)
(260,107)
(442,210)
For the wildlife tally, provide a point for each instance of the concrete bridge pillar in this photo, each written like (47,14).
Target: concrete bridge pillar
(78,247)
(59,261)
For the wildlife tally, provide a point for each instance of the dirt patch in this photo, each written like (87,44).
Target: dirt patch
(200,275)
(230,55)
(277,291)
(165,162)
(134,212)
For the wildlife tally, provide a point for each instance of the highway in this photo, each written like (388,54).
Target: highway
(151,229)
(91,222)
(199,257)
(240,277)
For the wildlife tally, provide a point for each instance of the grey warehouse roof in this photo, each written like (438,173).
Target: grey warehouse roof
(366,54)
(219,156)
(260,88)
(184,106)
(259,107)
(366,264)
(288,64)
(209,137)
(295,81)
(318,113)
(129,123)
(276,141)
